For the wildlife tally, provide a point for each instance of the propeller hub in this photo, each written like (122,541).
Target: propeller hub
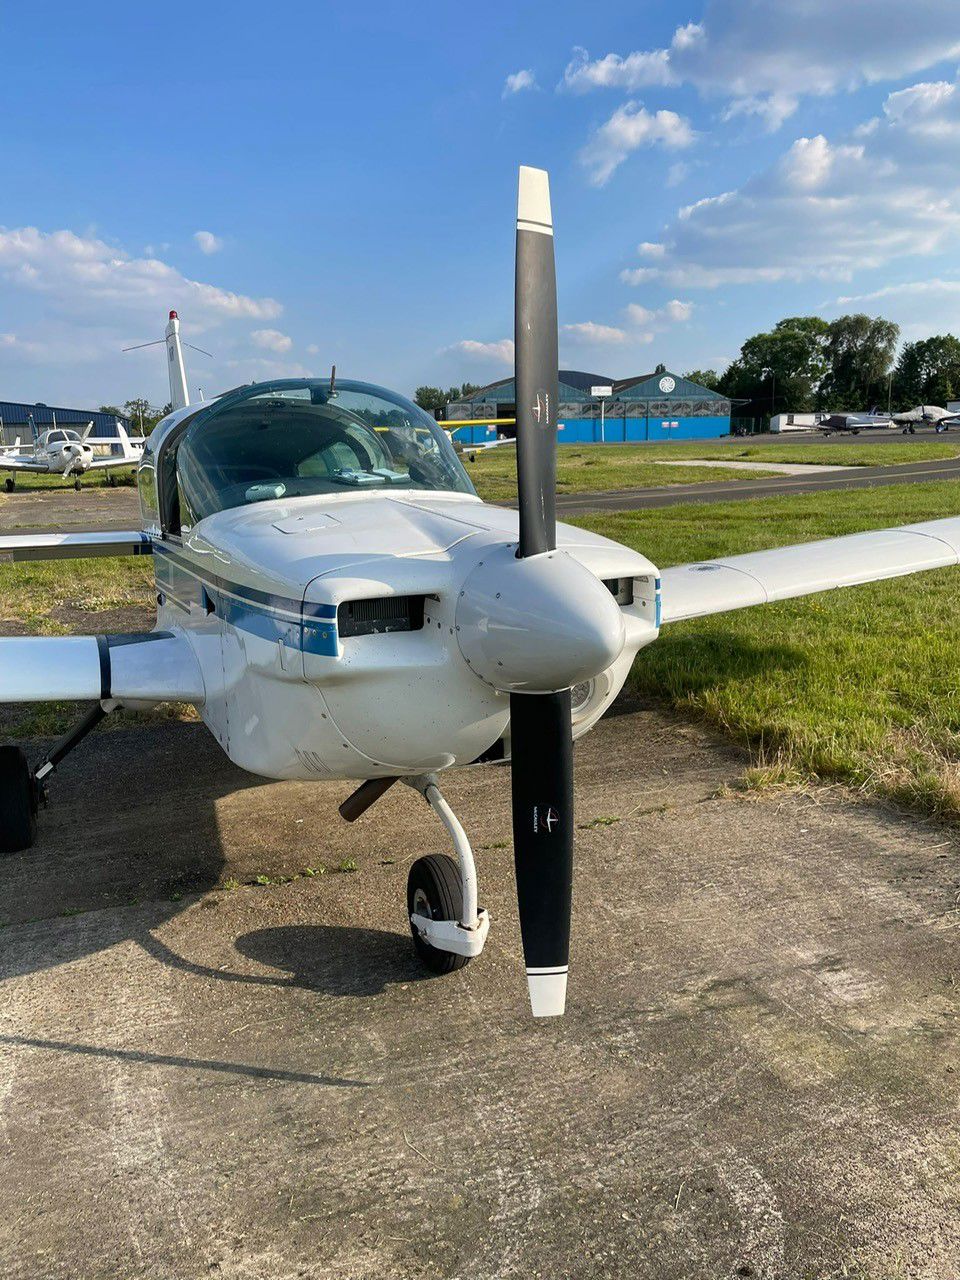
(538,624)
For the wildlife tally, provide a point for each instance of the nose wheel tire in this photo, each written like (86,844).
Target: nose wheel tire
(18,801)
(434,890)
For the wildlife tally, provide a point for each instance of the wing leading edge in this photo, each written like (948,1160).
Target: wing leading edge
(68,546)
(155,666)
(760,577)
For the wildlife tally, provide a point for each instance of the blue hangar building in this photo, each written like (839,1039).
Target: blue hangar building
(652,406)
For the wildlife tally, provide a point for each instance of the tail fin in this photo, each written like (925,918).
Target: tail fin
(179,396)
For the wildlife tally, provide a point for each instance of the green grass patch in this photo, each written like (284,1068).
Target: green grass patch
(589,469)
(31,481)
(593,467)
(66,597)
(48,597)
(858,686)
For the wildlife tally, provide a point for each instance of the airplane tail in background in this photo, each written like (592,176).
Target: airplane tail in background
(179,396)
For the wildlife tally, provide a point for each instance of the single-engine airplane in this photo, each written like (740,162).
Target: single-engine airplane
(62,451)
(337,602)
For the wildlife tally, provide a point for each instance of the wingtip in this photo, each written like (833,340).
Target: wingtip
(548,993)
(533,199)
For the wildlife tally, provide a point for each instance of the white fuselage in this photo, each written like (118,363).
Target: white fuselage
(258,589)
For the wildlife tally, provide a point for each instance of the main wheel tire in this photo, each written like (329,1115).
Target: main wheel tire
(9,484)
(434,890)
(18,801)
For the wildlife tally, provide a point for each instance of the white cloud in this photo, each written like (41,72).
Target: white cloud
(677,173)
(501,350)
(763,55)
(632,126)
(207,242)
(635,71)
(82,274)
(826,209)
(595,335)
(312,349)
(920,307)
(673,312)
(271,340)
(518,82)
(651,249)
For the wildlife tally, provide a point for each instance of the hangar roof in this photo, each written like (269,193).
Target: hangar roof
(15,414)
(575,385)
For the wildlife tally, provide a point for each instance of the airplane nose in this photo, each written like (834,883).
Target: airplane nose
(538,624)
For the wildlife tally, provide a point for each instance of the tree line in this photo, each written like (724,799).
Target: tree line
(806,364)
(141,413)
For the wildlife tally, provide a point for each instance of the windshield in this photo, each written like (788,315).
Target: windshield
(294,439)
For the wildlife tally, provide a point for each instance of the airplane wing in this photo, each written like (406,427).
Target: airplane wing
(738,582)
(70,546)
(19,462)
(104,464)
(155,666)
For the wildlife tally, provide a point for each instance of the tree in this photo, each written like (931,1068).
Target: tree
(928,372)
(782,369)
(708,378)
(430,398)
(143,415)
(859,354)
(112,410)
(661,368)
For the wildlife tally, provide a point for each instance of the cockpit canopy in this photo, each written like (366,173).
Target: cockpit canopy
(297,438)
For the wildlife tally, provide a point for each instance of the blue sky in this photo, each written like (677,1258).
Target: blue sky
(321,183)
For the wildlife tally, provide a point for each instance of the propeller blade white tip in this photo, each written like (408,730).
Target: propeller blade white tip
(548,993)
(533,200)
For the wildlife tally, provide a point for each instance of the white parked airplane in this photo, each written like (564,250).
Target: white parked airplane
(62,451)
(337,602)
(926,415)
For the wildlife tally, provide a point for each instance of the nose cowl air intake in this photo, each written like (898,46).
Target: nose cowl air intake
(538,624)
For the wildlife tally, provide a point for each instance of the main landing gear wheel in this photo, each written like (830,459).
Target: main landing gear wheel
(19,801)
(76,484)
(434,890)
(9,484)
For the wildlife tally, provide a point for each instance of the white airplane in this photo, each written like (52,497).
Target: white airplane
(338,603)
(926,415)
(62,451)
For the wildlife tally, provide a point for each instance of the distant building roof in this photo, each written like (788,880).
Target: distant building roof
(646,386)
(570,379)
(15,414)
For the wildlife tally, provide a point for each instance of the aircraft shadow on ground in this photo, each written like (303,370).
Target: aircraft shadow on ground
(335,960)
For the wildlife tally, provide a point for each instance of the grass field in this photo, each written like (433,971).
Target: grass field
(593,467)
(31,481)
(858,686)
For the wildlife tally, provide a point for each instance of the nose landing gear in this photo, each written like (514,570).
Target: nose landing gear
(448,927)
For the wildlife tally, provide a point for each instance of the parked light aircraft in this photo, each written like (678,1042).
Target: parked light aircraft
(337,602)
(926,415)
(61,451)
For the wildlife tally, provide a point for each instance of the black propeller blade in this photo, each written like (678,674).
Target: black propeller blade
(540,727)
(535,337)
(542,788)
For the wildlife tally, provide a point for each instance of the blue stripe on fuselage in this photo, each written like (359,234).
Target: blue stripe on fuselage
(313,628)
